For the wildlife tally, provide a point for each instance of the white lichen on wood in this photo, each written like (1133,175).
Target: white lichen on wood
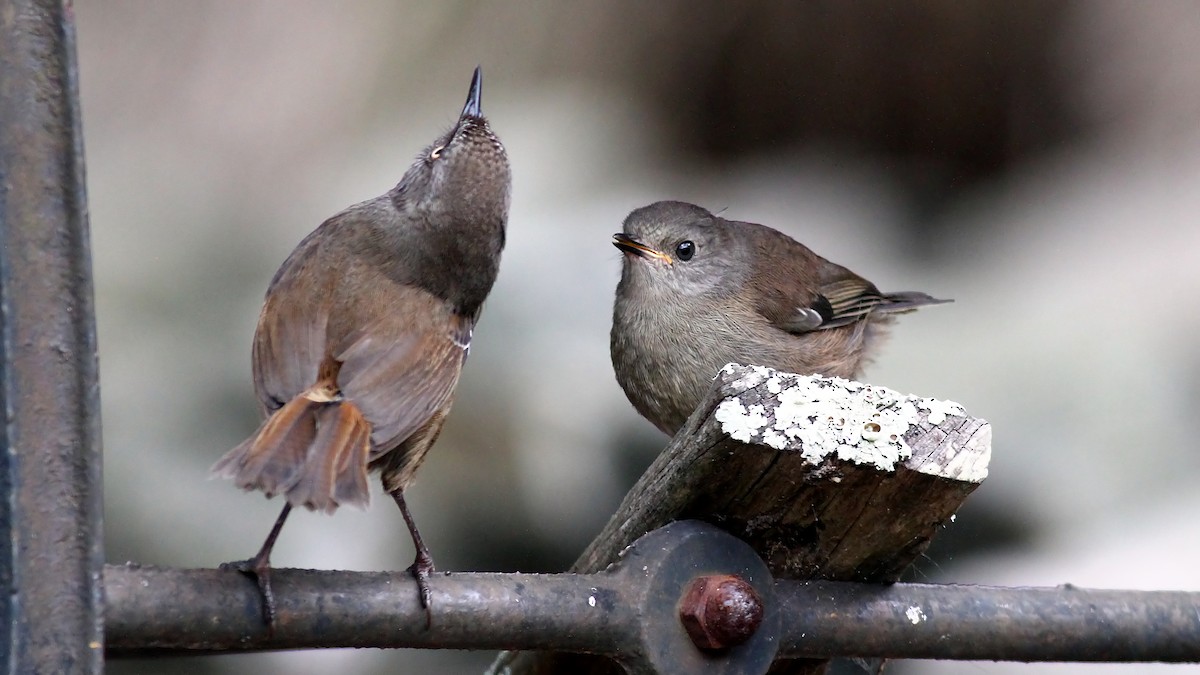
(739,421)
(819,416)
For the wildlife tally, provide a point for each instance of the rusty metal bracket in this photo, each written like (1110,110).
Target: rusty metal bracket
(50,510)
(660,569)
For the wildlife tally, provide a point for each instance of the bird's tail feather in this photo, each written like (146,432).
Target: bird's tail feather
(906,301)
(314,452)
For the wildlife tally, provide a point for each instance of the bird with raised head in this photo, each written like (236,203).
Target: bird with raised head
(698,291)
(364,332)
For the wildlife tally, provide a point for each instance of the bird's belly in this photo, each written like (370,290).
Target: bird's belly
(666,375)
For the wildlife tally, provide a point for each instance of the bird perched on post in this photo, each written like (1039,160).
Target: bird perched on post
(364,331)
(698,291)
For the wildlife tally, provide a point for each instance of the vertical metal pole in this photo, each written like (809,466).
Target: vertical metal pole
(50,492)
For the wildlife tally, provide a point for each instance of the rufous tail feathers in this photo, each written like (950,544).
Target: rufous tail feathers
(313,451)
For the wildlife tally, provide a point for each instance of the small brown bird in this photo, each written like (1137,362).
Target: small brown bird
(698,291)
(364,332)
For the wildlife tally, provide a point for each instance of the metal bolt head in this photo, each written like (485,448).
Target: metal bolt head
(720,611)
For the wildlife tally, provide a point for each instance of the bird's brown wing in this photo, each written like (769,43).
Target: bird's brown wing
(396,350)
(290,341)
(841,299)
(799,291)
(823,307)
(849,299)
(402,367)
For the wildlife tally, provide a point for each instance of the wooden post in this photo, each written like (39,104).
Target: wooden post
(824,478)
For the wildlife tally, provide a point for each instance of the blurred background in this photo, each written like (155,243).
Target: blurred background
(1037,161)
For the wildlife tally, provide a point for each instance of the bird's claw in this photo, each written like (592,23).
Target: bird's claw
(261,571)
(421,568)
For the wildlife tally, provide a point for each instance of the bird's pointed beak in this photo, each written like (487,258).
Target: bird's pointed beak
(631,246)
(474,96)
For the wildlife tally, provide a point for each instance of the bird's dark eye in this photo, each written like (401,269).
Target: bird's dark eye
(436,152)
(685,250)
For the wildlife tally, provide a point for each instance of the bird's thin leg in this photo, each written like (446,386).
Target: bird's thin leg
(260,568)
(423,565)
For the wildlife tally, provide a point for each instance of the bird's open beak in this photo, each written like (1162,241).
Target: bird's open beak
(628,245)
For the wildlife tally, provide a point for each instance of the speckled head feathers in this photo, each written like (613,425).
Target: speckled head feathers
(464,174)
